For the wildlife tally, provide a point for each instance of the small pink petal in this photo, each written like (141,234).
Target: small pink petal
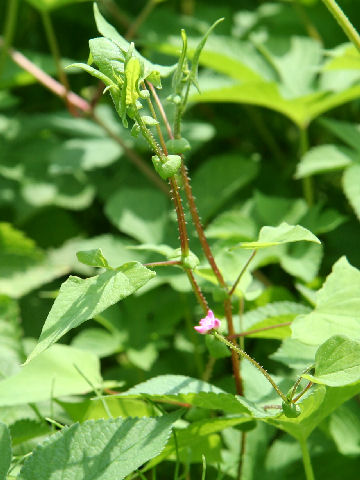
(208,323)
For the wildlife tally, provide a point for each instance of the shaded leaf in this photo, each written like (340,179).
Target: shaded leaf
(93,258)
(351,186)
(102,449)
(82,299)
(323,159)
(5,449)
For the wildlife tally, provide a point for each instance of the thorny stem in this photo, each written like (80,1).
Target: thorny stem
(258,330)
(82,105)
(297,383)
(197,290)
(243,354)
(201,235)
(344,22)
(302,392)
(242,272)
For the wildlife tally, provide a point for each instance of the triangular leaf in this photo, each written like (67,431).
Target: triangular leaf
(81,299)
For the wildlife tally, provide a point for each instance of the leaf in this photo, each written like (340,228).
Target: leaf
(337,310)
(132,75)
(82,299)
(94,258)
(351,186)
(323,159)
(97,341)
(51,374)
(5,449)
(283,233)
(337,362)
(346,131)
(224,173)
(315,407)
(117,447)
(344,427)
(195,392)
(26,429)
(94,73)
(151,70)
(141,213)
(272,314)
(295,354)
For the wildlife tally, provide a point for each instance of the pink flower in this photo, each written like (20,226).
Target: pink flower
(208,323)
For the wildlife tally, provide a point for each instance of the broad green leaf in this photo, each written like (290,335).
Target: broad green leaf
(337,310)
(295,354)
(140,213)
(346,131)
(337,362)
(272,210)
(47,5)
(323,159)
(343,57)
(284,233)
(302,260)
(82,299)
(196,392)
(195,436)
(351,186)
(224,173)
(232,224)
(344,427)
(26,429)
(93,409)
(94,258)
(5,449)
(118,447)
(97,341)
(51,374)
(270,315)
(315,407)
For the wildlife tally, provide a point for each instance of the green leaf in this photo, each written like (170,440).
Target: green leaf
(51,374)
(140,213)
(337,362)
(94,258)
(95,73)
(82,299)
(284,233)
(337,310)
(5,449)
(48,5)
(344,427)
(118,447)
(323,159)
(224,173)
(216,349)
(26,429)
(315,407)
(351,186)
(273,314)
(98,341)
(346,131)
(152,70)
(132,75)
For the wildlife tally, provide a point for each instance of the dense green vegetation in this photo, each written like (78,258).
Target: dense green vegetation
(190,161)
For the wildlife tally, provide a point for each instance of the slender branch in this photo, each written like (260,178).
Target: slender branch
(162,264)
(297,383)
(82,105)
(258,330)
(242,272)
(197,290)
(243,354)
(9,30)
(140,19)
(344,22)
(161,109)
(309,26)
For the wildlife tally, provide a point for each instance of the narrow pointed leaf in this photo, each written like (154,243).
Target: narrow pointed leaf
(81,299)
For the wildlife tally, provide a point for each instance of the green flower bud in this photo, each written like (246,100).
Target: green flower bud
(291,410)
(167,166)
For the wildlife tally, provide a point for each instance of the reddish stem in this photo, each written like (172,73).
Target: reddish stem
(257,330)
